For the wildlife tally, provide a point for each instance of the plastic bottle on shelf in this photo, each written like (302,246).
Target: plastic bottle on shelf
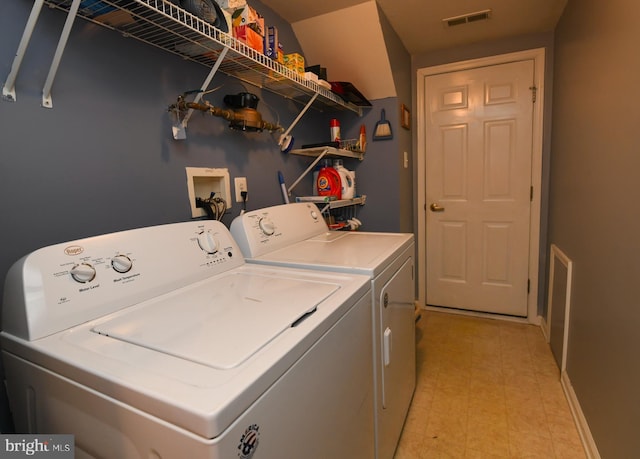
(328,183)
(347,180)
(334,126)
(362,139)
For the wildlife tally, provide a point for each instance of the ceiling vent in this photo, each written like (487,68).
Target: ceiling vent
(467,18)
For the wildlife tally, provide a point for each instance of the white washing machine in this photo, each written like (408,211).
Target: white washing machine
(162,342)
(296,235)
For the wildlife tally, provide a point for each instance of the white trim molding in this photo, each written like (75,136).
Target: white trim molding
(590,448)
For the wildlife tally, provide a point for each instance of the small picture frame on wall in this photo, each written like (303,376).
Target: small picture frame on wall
(405,117)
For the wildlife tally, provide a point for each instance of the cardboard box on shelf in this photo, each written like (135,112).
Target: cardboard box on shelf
(318,70)
(280,54)
(271,42)
(294,61)
(249,17)
(250,37)
(310,76)
(231,5)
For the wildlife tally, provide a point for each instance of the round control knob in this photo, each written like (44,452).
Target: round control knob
(208,242)
(83,273)
(267,226)
(314,214)
(121,263)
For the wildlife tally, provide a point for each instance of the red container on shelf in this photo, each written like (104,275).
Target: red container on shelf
(328,182)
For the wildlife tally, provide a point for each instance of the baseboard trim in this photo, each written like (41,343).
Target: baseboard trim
(482,315)
(544,326)
(588,443)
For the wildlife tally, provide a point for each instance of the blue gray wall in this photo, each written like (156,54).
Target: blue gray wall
(593,214)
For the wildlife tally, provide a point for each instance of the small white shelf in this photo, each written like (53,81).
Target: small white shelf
(335,204)
(318,153)
(329,152)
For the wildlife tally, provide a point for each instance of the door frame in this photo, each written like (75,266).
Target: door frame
(538,56)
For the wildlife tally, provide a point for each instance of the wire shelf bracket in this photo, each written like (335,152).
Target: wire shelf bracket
(179,129)
(9,88)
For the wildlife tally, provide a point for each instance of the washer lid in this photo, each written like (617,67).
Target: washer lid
(220,324)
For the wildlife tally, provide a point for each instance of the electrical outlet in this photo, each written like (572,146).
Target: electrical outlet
(241,185)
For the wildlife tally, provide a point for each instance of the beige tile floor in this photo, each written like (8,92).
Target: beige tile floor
(486,389)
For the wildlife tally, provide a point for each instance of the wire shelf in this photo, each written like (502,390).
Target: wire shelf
(163,24)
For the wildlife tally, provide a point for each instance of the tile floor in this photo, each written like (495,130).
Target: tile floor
(486,389)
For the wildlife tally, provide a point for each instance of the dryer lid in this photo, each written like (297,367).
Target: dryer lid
(218,323)
(352,251)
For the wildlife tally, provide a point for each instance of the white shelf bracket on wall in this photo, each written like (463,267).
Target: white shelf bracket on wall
(179,128)
(9,88)
(285,140)
(309,169)
(62,43)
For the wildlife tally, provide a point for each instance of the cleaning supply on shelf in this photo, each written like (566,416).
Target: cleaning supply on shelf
(283,188)
(328,183)
(362,139)
(334,126)
(347,180)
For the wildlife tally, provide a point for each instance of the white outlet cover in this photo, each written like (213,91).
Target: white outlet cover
(240,184)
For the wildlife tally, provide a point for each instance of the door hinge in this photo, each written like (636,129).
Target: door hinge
(534,93)
(531,194)
(528,285)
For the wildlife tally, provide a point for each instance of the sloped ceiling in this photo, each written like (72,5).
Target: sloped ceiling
(346,37)
(419,22)
(349,52)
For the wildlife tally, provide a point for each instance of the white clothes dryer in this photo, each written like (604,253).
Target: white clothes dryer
(162,342)
(296,235)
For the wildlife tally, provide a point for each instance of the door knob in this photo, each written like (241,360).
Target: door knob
(436,208)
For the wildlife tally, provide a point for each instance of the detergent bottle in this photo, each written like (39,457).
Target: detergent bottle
(328,182)
(347,180)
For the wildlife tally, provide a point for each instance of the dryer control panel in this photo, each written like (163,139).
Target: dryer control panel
(261,231)
(67,284)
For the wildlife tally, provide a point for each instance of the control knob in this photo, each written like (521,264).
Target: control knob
(121,263)
(267,226)
(208,242)
(83,273)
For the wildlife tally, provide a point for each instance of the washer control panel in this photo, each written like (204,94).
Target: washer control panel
(261,231)
(67,284)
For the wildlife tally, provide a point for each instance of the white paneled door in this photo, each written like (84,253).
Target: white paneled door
(478,187)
